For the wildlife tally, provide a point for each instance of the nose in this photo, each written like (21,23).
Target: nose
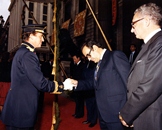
(132,30)
(42,39)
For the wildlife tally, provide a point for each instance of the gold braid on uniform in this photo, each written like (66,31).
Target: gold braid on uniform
(58,88)
(28,47)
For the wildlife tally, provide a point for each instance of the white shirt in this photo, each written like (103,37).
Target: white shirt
(151,35)
(78,62)
(103,52)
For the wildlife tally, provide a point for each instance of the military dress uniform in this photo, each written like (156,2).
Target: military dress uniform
(27,80)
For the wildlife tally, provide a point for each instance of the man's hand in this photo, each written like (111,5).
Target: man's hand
(68,84)
(123,122)
(74,82)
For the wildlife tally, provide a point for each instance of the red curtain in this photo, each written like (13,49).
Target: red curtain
(114,11)
(4,87)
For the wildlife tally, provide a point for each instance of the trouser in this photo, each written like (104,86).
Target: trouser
(91,110)
(110,126)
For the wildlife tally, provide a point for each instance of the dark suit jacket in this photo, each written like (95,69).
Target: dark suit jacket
(46,69)
(110,88)
(20,108)
(77,71)
(144,105)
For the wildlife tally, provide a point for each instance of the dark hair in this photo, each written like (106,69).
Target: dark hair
(90,43)
(25,36)
(133,45)
(77,54)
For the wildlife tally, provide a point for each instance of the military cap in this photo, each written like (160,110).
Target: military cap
(34,28)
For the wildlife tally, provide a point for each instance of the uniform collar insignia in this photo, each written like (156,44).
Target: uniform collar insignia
(28,46)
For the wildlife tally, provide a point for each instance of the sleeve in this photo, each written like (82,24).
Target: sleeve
(85,85)
(59,88)
(149,88)
(33,72)
(122,65)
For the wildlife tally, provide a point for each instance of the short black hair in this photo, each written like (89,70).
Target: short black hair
(133,45)
(90,43)
(77,54)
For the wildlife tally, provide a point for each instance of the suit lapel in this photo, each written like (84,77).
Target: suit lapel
(104,59)
(144,49)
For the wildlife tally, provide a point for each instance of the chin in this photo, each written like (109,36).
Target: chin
(138,37)
(39,46)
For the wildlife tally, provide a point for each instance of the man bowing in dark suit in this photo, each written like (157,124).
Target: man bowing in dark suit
(143,110)
(109,82)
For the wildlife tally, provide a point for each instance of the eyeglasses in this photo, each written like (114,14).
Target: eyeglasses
(89,54)
(133,23)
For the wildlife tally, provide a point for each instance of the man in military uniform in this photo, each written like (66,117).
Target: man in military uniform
(27,80)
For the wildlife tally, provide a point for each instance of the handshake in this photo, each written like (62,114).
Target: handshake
(69,84)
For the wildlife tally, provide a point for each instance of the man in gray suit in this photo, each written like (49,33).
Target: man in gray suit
(143,109)
(109,83)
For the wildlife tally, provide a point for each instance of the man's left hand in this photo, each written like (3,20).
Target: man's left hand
(123,122)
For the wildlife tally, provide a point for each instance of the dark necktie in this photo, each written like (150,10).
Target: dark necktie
(97,68)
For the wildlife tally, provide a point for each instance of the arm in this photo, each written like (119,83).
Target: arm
(148,86)
(30,65)
(79,85)
(85,85)
(122,65)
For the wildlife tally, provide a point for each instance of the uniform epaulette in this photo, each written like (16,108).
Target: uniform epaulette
(28,47)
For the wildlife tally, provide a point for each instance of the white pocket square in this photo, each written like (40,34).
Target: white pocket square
(139,61)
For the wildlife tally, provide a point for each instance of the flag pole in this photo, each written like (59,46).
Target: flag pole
(55,41)
(99,25)
(54,70)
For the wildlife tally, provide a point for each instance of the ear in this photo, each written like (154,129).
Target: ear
(147,21)
(31,36)
(95,47)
